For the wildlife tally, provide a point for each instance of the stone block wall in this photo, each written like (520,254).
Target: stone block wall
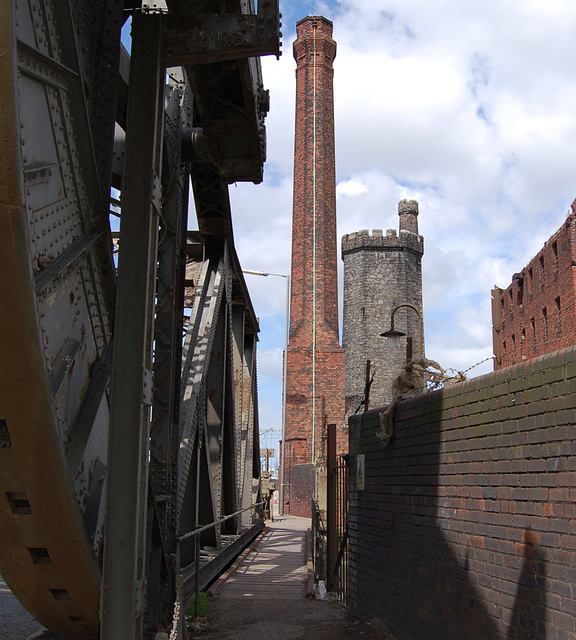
(465,528)
(380,272)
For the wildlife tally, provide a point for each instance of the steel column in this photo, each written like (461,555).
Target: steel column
(164,437)
(123,583)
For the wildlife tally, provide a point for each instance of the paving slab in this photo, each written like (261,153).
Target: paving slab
(265,597)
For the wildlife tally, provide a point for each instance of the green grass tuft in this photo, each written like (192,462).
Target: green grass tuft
(202,606)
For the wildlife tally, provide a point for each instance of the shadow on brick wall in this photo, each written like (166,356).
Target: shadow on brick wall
(529,614)
(428,580)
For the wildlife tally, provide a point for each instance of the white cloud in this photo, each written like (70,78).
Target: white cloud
(351,188)
(466,107)
(270,364)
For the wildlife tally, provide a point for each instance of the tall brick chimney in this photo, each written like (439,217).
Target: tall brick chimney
(315,361)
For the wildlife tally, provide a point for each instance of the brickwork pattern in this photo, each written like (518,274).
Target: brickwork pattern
(314,204)
(301,483)
(536,314)
(465,528)
(329,401)
(380,272)
(314,382)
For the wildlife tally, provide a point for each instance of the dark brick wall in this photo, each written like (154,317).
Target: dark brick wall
(465,529)
(314,382)
(536,313)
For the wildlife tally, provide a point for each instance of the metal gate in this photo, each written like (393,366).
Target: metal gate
(337,520)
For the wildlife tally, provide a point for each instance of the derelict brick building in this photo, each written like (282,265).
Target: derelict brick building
(536,314)
(380,272)
(315,359)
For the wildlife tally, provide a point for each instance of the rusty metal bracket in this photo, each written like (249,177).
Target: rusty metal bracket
(210,38)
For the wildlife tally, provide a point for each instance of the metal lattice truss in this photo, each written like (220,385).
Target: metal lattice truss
(117,436)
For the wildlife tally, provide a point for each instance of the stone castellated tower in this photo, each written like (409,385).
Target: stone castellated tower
(380,272)
(315,359)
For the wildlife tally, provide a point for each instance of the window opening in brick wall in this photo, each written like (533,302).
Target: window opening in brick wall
(504,346)
(533,328)
(541,261)
(514,341)
(559,316)
(520,292)
(530,281)
(555,254)
(545,317)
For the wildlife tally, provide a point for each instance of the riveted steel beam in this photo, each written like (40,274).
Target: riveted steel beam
(60,92)
(207,39)
(218,47)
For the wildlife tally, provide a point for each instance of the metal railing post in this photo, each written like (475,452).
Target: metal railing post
(197,575)
(331,519)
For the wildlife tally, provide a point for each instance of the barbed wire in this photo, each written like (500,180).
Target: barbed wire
(478,363)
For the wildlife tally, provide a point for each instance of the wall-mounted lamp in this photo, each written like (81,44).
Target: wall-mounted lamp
(393,335)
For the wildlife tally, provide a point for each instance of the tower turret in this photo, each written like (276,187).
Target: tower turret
(408,213)
(380,273)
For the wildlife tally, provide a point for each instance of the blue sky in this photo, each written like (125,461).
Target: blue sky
(467,107)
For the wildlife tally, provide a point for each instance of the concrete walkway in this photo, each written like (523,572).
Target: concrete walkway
(265,597)
(278,560)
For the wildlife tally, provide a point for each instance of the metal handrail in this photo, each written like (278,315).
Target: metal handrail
(196,535)
(205,527)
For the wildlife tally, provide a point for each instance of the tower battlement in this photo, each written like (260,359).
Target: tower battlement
(407,239)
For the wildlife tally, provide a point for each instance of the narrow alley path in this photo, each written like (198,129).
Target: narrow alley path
(266,596)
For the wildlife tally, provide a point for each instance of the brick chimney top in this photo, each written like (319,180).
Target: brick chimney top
(306,25)
(314,33)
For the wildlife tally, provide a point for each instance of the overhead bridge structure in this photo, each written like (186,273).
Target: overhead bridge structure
(128,404)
